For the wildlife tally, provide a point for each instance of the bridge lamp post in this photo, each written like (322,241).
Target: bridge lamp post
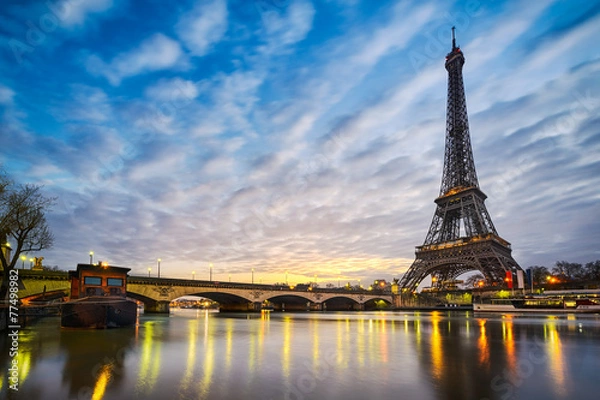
(230,278)
(253,276)
(193,275)
(286,277)
(158,262)
(91,258)
(149,269)
(210,272)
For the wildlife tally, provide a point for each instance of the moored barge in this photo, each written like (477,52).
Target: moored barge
(98,298)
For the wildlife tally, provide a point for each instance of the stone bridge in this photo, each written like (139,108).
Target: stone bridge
(157,293)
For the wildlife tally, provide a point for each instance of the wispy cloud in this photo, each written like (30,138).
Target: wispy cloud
(395,35)
(85,104)
(6,95)
(286,26)
(74,13)
(203,26)
(172,90)
(156,53)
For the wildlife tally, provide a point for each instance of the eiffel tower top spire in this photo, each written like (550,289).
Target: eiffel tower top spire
(459,167)
(453,39)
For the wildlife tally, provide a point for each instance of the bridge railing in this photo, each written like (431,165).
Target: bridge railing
(138,279)
(32,274)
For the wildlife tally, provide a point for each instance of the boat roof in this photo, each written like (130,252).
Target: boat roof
(100,267)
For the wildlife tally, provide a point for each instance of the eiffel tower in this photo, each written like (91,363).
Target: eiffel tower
(461,237)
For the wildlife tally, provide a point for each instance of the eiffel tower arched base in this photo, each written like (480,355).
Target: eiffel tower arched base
(490,255)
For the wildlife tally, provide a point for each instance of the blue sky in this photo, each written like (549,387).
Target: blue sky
(297,135)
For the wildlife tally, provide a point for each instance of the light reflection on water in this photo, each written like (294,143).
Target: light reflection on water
(194,354)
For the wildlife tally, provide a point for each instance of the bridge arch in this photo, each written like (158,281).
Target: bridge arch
(342,303)
(148,301)
(289,301)
(289,297)
(219,297)
(227,301)
(377,303)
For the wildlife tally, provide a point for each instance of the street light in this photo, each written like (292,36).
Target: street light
(286,277)
(149,269)
(23,258)
(158,261)
(91,257)
(193,275)
(210,272)
(31,263)
(229,277)
(253,276)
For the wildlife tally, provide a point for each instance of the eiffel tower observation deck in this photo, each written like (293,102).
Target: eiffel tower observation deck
(462,236)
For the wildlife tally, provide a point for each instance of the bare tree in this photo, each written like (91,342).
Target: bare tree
(539,274)
(474,280)
(592,270)
(568,271)
(23,225)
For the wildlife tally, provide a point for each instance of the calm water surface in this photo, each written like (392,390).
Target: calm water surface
(401,355)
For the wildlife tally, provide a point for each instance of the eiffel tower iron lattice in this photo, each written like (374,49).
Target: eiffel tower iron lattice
(462,236)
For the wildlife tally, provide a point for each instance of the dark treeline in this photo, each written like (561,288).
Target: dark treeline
(564,271)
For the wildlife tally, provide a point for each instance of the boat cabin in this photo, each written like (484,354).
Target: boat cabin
(98,280)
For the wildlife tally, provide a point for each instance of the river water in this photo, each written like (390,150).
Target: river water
(193,354)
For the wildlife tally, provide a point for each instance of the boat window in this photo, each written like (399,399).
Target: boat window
(114,282)
(115,291)
(92,280)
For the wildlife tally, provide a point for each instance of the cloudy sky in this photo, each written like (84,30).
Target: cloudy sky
(297,135)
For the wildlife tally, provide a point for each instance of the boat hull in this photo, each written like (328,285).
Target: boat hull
(543,310)
(98,314)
